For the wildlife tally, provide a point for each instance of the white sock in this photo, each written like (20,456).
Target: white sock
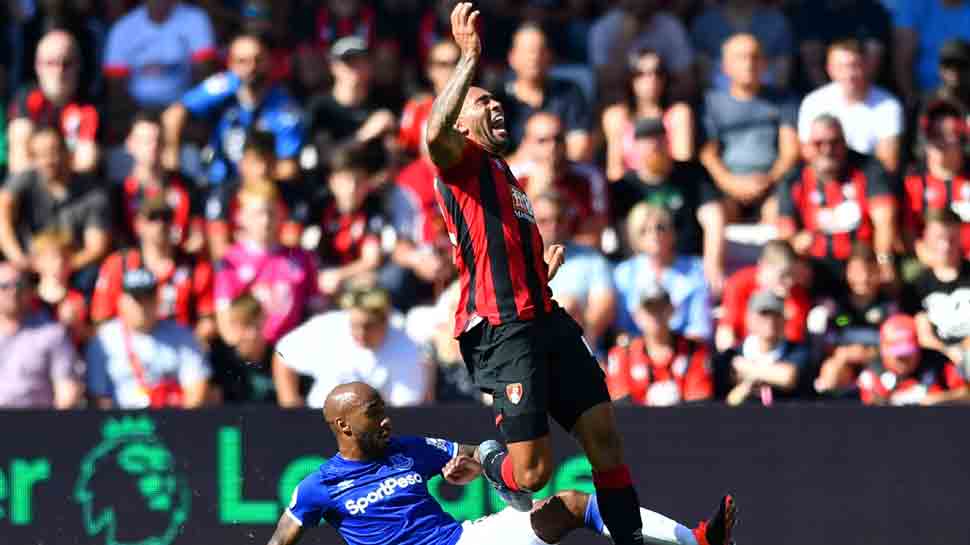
(661,530)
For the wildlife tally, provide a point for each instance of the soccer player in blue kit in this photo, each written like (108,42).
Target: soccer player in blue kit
(374,491)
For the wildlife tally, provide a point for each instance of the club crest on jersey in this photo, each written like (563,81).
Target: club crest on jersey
(514,392)
(521,204)
(400,461)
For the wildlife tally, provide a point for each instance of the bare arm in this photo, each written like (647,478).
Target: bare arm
(96,244)
(787,153)
(18,134)
(194,395)
(67,393)
(579,146)
(614,121)
(173,122)
(904,54)
(445,143)
(9,245)
(711,159)
(287,383)
(85,157)
(887,151)
(288,531)
(682,132)
(712,220)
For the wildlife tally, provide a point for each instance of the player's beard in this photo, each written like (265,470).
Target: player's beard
(372,443)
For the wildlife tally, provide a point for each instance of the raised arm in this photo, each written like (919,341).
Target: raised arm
(288,531)
(444,141)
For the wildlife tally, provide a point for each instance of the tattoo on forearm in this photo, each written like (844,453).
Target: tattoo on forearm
(447,105)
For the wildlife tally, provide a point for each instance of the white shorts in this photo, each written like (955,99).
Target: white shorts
(507,527)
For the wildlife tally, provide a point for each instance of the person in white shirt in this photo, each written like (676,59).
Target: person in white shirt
(357,343)
(871,117)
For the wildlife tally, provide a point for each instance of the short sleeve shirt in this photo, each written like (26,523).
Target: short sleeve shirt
(934,23)
(561,97)
(747,131)
(585,272)
(946,304)
(684,281)
(84,207)
(36,356)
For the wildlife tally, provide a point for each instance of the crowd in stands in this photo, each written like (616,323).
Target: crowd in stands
(208,202)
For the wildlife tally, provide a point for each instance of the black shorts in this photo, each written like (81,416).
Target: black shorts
(534,369)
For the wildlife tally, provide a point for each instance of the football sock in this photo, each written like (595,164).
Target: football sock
(619,505)
(657,529)
(498,467)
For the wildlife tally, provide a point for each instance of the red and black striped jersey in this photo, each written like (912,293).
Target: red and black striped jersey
(924,192)
(836,212)
(497,247)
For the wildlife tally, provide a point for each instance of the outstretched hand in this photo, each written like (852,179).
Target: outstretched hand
(555,256)
(461,470)
(464,28)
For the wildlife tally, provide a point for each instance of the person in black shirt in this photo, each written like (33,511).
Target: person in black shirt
(241,370)
(683,188)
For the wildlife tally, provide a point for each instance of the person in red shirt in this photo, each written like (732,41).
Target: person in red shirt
(908,374)
(942,180)
(185,283)
(441,63)
(775,271)
(50,257)
(147,179)
(660,368)
(54,102)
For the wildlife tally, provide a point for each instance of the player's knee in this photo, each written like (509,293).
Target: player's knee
(535,476)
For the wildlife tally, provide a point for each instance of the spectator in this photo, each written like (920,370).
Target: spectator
(40,367)
(154,54)
(716,24)
(775,272)
(848,323)
(442,59)
(55,101)
(684,189)
(632,26)
(50,257)
(352,221)
(765,366)
(820,24)
(651,232)
(51,195)
(368,348)
(257,165)
(871,117)
(334,20)
(942,180)
(660,368)
(583,285)
(184,282)
(148,179)
(750,134)
(908,374)
(954,73)
(541,163)
(836,199)
(349,115)
(137,361)
(938,296)
(237,100)
(532,90)
(921,27)
(241,363)
(282,279)
(647,97)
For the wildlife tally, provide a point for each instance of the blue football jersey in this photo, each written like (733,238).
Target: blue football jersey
(278,114)
(381,502)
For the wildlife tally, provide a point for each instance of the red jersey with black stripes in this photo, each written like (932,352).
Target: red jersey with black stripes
(497,247)
(924,192)
(836,212)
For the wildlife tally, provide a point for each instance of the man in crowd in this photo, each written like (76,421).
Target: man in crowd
(939,296)
(155,52)
(584,285)
(834,200)
(751,141)
(659,368)
(184,282)
(368,347)
(50,259)
(954,70)
(137,361)
(241,362)
(765,366)
(776,272)
(50,195)
(54,102)
(40,367)
(541,163)
(684,189)
(908,374)
(921,27)
(239,99)
(442,59)
(942,180)
(532,90)
(871,117)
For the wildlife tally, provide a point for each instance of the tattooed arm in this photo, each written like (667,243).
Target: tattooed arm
(445,143)
(288,531)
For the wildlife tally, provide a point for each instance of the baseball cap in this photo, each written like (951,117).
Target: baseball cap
(653,292)
(898,336)
(955,51)
(766,301)
(347,47)
(139,282)
(649,126)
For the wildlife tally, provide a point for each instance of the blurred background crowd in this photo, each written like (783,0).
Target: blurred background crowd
(761,200)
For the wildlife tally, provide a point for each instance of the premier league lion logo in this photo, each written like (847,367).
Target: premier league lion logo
(128,488)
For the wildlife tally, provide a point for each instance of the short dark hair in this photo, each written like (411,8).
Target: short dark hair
(261,142)
(864,251)
(945,216)
(246,308)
